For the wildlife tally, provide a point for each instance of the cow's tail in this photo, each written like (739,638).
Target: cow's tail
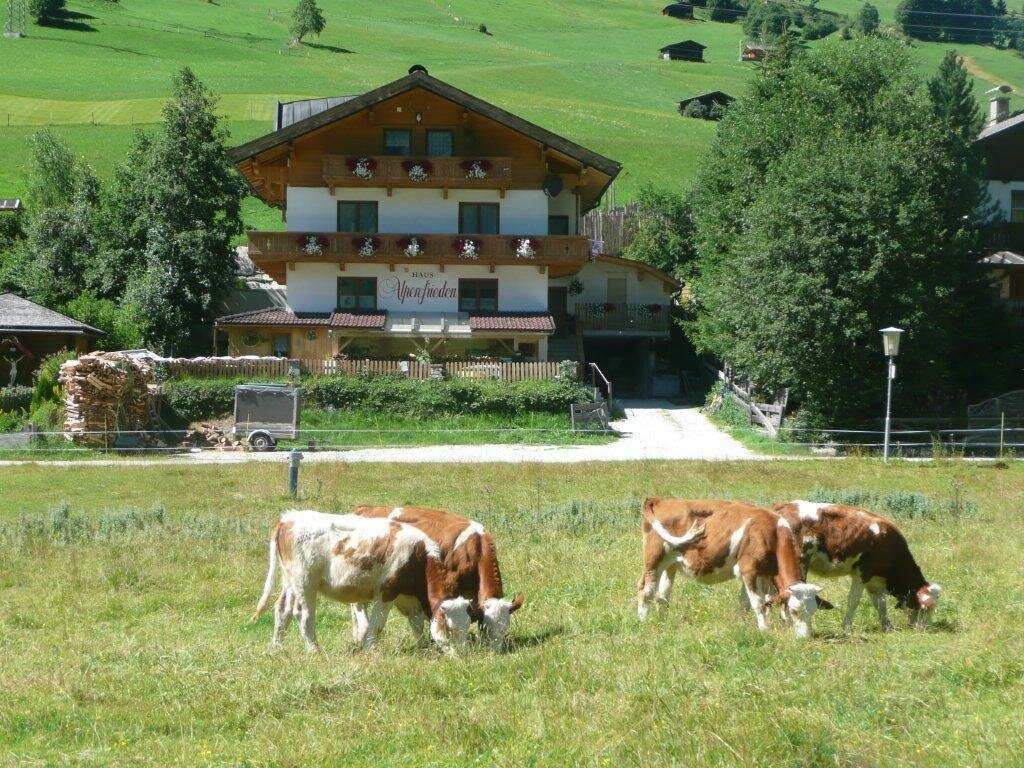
(268,584)
(695,533)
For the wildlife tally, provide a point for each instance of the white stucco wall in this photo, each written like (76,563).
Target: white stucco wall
(564,204)
(313,287)
(419,211)
(594,276)
(999,191)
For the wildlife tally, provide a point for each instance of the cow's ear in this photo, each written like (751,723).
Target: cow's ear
(517,603)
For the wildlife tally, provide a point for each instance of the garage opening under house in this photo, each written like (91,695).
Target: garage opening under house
(421,218)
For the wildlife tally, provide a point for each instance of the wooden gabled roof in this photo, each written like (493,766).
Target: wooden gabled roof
(419,78)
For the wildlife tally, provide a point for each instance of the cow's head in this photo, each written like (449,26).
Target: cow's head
(495,617)
(922,607)
(449,626)
(802,603)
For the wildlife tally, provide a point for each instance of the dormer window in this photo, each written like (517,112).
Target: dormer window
(397,142)
(440,143)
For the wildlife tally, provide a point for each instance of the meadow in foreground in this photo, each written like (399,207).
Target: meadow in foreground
(127,638)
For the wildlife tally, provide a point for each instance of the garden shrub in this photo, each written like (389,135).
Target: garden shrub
(10,422)
(47,376)
(904,505)
(15,398)
(187,400)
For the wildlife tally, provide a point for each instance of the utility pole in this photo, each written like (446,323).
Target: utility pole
(14,19)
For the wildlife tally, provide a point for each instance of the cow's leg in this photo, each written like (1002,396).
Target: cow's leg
(856,590)
(744,600)
(307,618)
(359,622)
(417,622)
(378,617)
(878,599)
(654,551)
(758,602)
(282,617)
(665,582)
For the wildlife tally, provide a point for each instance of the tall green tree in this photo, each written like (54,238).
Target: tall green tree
(868,19)
(307,19)
(818,222)
(176,209)
(44,11)
(663,230)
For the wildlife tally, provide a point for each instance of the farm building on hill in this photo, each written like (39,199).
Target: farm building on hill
(755,51)
(708,106)
(678,11)
(29,332)
(687,50)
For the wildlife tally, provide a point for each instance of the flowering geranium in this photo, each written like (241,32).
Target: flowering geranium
(609,307)
(525,247)
(361,167)
(476,169)
(366,247)
(412,246)
(575,287)
(418,170)
(468,248)
(312,245)
(655,308)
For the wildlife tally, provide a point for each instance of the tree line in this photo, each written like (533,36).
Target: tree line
(844,194)
(146,257)
(985,22)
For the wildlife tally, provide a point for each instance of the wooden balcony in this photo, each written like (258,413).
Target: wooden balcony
(622,318)
(441,172)
(1005,236)
(562,253)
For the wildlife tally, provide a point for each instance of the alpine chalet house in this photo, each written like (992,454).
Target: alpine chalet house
(421,218)
(1002,145)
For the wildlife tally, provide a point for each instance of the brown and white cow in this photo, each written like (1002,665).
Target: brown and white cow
(838,540)
(355,559)
(725,540)
(469,565)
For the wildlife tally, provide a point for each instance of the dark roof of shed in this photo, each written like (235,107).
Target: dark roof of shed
(10,204)
(713,95)
(417,78)
(18,315)
(683,44)
(291,112)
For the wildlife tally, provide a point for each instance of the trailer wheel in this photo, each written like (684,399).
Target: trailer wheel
(261,441)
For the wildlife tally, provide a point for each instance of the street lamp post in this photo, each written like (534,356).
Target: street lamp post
(891,348)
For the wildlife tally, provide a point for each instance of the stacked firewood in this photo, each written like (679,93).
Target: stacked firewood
(209,436)
(105,393)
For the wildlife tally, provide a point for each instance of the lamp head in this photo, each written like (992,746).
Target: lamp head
(891,341)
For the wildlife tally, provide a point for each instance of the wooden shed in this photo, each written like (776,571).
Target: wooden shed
(29,332)
(708,101)
(678,11)
(755,51)
(687,50)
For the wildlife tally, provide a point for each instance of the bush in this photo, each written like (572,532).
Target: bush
(10,422)
(15,399)
(44,10)
(724,10)
(47,376)
(819,28)
(900,504)
(696,110)
(188,400)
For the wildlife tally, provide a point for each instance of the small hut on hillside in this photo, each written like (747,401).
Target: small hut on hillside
(755,51)
(707,106)
(687,50)
(678,11)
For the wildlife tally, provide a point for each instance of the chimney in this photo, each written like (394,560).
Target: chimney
(998,104)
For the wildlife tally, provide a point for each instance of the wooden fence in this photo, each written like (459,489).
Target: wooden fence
(279,367)
(767,415)
(614,229)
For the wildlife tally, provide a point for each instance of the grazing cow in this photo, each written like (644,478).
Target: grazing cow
(723,540)
(469,565)
(838,540)
(354,559)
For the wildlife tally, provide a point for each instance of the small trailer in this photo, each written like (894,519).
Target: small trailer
(266,413)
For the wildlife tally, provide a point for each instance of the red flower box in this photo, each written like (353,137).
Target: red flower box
(352,162)
(405,242)
(426,165)
(359,242)
(305,241)
(459,244)
(609,307)
(467,165)
(534,243)
(655,308)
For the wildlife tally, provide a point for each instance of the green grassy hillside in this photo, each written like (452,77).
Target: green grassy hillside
(587,70)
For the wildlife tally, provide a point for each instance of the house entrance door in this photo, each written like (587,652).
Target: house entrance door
(558,306)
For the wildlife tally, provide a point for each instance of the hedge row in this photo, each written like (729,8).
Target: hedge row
(13,399)
(187,400)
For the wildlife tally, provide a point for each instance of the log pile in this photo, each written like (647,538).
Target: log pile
(104,393)
(210,436)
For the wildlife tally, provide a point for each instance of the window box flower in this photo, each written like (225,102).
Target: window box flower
(476,169)
(609,307)
(418,170)
(313,245)
(366,247)
(525,247)
(412,246)
(361,167)
(468,247)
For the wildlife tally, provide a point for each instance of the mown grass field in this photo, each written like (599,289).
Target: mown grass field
(127,642)
(586,70)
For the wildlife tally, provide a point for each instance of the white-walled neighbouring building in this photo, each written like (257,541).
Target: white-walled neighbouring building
(419,217)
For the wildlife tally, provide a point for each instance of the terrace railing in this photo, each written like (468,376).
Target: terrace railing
(647,318)
(568,250)
(1005,236)
(441,172)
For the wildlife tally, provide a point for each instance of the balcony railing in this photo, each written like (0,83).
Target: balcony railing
(390,170)
(647,318)
(1005,236)
(432,249)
